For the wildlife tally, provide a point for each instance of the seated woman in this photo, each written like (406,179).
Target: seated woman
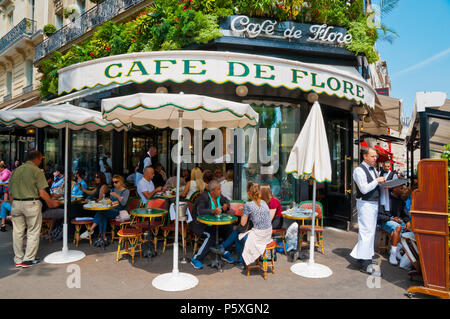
(250,245)
(57,182)
(56,214)
(101,188)
(5,207)
(119,195)
(195,184)
(273,203)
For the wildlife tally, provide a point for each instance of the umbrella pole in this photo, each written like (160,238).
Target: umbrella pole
(65,256)
(312,235)
(177,203)
(66,187)
(175,280)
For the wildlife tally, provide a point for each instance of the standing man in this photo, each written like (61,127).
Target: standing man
(388,175)
(368,197)
(146,160)
(27,184)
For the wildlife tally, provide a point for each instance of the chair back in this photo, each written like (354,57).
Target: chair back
(133,203)
(237,206)
(157,203)
(189,203)
(307,204)
(194,197)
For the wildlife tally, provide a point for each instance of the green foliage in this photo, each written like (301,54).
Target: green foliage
(49,29)
(176,24)
(364,39)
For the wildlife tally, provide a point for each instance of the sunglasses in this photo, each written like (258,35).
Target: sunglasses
(97,176)
(115,182)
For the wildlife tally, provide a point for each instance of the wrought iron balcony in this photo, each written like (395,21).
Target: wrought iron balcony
(99,14)
(24,27)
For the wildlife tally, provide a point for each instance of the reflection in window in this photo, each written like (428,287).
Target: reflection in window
(267,149)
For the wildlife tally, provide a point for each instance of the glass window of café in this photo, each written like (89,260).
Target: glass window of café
(51,147)
(87,150)
(267,149)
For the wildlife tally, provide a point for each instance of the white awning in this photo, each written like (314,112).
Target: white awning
(218,67)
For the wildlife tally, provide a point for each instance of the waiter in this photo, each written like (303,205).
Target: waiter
(148,159)
(388,175)
(27,185)
(368,197)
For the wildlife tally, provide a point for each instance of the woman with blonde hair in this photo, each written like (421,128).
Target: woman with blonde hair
(274,204)
(195,184)
(119,195)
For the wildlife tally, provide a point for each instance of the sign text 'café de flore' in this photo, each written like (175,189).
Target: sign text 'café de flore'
(218,67)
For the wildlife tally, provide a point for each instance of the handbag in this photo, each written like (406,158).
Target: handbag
(246,228)
(123,216)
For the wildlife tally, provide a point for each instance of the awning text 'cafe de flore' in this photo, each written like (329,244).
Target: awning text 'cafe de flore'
(280,68)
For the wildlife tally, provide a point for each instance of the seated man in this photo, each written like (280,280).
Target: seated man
(208,202)
(145,187)
(396,221)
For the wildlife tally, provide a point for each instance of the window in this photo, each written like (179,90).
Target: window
(8,83)
(29,72)
(82,5)
(11,20)
(59,21)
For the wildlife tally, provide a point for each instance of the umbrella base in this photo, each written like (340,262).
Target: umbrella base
(175,281)
(311,270)
(64,257)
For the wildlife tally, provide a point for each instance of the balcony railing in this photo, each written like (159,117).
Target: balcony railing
(99,14)
(24,27)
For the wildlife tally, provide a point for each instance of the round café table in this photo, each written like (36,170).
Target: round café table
(211,220)
(301,214)
(100,209)
(149,213)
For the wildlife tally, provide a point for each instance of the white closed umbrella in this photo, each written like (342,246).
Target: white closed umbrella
(177,111)
(310,158)
(61,116)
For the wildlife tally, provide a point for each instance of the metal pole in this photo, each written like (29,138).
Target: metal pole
(66,187)
(313,222)
(175,244)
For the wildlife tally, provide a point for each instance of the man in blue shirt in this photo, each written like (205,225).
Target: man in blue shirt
(58,180)
(76,190)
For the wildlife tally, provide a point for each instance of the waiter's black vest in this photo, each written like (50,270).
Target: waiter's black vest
(373,195)
(141,163)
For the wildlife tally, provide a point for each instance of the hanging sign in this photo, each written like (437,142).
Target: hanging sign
(243,26)
(217,67)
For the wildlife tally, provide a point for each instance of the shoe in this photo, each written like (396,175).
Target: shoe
(21,265)
(197,264)
(241,266)
(393,259)
(29,263)
(371,270)
(3,228)
(228,258)
(85,235)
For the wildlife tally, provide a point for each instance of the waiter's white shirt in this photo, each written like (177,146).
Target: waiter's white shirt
(148,160)
(360,178)
(384,193)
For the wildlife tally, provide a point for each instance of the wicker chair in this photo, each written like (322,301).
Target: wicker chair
(318,229)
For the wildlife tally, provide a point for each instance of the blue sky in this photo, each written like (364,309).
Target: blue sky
(419,59)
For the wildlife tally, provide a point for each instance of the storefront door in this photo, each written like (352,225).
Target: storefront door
(337,194)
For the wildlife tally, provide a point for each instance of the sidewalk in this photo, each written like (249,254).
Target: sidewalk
(103,277)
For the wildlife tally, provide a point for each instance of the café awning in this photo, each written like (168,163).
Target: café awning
(217,67)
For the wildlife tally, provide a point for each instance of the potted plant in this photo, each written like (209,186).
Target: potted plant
(49,29)
(71,12)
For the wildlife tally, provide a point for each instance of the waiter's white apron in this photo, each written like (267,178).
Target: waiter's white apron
(367,223)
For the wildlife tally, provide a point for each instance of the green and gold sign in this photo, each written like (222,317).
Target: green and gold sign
(218,67)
